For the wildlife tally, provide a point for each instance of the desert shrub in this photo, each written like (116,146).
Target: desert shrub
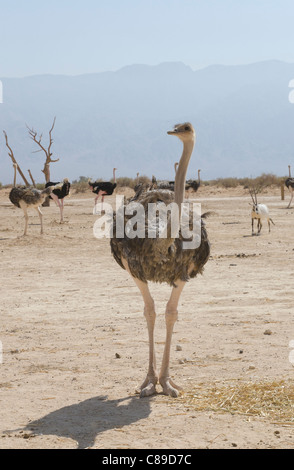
(229,182)
(142,179)
(81,185)
(268,180)
(125,181)
(262,181)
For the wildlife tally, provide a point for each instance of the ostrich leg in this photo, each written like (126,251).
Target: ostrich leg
(41,218)
(148,386)
(171,314)
(288,207)
(61,210)
(57,202)
(25,211)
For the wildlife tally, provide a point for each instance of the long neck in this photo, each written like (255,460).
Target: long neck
(289,171)
(114,175)
(173,225)
(180,178)
(199,176)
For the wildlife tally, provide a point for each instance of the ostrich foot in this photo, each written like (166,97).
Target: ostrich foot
(148,387)
(169,387)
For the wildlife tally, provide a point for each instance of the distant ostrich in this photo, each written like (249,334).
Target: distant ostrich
(60,191)
(290,185)
(103,188)
(164,184)
(193,184)
(162,260)
(26,198)
(137,182)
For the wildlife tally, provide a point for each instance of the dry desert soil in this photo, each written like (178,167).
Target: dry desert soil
(74,345)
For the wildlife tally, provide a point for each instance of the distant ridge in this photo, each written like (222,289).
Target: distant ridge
(242,115)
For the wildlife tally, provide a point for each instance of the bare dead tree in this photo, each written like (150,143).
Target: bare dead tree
(10,153)
(38,139)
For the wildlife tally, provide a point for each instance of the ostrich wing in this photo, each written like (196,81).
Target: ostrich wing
(159,260)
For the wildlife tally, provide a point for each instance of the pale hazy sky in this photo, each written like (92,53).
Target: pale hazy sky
(83,36)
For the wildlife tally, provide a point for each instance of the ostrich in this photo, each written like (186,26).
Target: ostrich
(25,198)
(194,184)
(164,184)
(162,260)
(137,185)
(290,185)
(142,185)
(59,192)
(103,188)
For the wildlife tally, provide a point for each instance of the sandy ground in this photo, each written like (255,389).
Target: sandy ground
(74,338)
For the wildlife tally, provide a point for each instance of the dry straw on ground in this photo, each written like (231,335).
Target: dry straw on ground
(269,399)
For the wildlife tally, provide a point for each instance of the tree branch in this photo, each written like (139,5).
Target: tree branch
(48,153)
(31,176)
(10,153)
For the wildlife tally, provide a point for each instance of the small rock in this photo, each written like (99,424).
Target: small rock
(27,435)
(251,367)
(117,356)
(179,347)
(14,351)
(268,332)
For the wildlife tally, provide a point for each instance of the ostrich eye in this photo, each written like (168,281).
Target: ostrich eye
(187,128)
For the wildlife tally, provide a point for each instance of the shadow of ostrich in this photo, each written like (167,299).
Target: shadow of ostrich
(83,421)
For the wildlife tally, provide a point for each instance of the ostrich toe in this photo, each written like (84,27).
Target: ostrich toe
(169,387)
(148,387)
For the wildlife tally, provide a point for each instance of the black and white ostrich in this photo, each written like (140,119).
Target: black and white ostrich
(103,188)
(60,191)
(290,185)
(26,197)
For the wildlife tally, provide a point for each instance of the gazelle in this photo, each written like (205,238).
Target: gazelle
(259,212)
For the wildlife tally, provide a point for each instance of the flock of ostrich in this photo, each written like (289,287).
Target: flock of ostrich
(162,260)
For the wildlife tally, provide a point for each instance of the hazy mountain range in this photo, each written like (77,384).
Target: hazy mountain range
(243,118)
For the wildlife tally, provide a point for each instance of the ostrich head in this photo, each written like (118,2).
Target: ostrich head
(185,132)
